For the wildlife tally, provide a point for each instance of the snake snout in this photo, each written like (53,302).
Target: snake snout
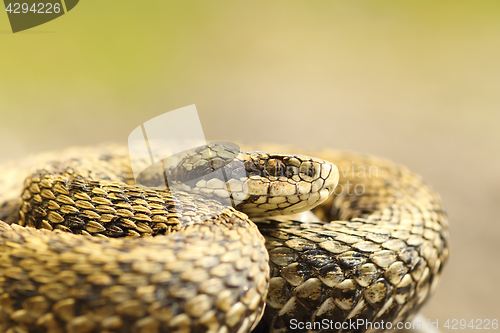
(332,180)
(318,179)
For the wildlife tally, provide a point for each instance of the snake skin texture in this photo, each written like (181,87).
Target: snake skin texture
(377,260)
(109,256)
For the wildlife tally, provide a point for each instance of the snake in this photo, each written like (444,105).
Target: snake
(338,242)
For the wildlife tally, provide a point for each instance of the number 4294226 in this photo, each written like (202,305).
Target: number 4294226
(36,8)
(478,324)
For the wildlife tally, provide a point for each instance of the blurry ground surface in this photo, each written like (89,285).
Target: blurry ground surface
(417,82)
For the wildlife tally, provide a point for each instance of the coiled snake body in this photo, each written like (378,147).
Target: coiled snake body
(373,252)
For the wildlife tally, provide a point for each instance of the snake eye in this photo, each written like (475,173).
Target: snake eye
(308,171)
(311,172)
(275,168)
(291,171)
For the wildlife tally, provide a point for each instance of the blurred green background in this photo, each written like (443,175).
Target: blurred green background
(417,82)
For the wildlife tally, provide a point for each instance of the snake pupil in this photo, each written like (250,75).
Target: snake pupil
(310,172)
(275,168)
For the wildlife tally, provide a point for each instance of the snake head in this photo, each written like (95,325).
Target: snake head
(256,183)
(281,184)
